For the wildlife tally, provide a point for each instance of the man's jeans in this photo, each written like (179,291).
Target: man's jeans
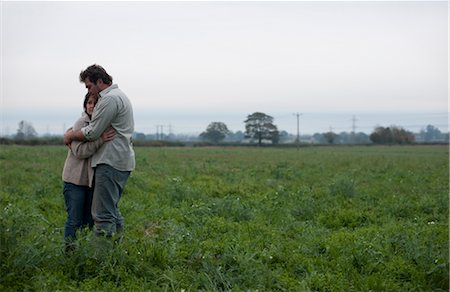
(78,201)
(108,188)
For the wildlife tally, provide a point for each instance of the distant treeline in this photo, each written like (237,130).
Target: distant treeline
(54,140)
(259,131)
(58,140)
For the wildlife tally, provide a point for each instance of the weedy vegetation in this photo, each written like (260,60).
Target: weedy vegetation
(317,219)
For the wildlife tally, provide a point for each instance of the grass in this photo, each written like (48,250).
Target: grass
(318,219)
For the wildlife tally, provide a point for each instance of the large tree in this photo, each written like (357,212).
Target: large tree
(25,131)
(331,137)
(431,134)
(259,126)
(215,132)
(391,135)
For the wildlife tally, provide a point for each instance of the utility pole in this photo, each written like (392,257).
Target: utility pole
(159,135)
(353,129)
(160,131)
(298,129)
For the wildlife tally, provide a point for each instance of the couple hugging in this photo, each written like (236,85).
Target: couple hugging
(100,158)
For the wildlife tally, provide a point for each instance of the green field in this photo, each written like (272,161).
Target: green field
(317,219)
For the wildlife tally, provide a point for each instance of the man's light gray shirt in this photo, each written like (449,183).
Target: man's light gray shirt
(113,108)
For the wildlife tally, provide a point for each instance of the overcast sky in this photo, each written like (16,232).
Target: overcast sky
(189,63)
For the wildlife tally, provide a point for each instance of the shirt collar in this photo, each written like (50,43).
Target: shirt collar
(107,90)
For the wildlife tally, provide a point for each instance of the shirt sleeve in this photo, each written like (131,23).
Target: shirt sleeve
(103,114)
(83,150)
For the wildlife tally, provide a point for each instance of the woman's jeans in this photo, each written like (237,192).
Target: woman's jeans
(108,188)
(78,202)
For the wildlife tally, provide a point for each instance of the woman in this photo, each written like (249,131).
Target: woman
(78,175)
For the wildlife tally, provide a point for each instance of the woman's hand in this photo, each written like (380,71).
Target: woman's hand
(67,137)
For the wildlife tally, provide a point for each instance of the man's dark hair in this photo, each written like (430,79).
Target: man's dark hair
(94,73)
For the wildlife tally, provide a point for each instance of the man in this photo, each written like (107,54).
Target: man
(114,160)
